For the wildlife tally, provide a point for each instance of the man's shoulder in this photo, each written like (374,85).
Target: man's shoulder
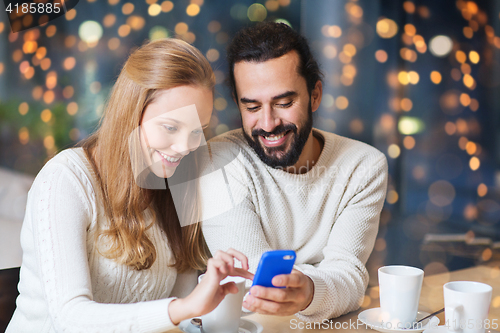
(344,148)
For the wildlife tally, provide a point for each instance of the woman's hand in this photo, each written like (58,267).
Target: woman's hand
(209,293)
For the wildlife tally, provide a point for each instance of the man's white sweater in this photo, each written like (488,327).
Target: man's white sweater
(328,215)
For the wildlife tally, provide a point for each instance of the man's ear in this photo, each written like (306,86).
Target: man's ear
(316,95)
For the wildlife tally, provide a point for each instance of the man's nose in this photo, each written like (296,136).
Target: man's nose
(269,119)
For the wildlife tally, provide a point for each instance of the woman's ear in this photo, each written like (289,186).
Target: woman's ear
(316,95)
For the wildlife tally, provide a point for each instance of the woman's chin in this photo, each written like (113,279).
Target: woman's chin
(162,172)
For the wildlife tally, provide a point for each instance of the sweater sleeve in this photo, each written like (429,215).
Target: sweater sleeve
(341,279)
(60,207)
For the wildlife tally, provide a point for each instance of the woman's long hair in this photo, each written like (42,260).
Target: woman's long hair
(156,66)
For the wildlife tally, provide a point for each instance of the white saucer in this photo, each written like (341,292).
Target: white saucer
(444,329)
(246,326)
(372,318)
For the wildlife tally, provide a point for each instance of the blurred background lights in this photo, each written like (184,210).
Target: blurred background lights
(474,57)
(392,197)
(128,8)
(158,32)
(386,28)
(155,10)
(327,100)
(238,11)
(393,151)
(90,31)
(409,142)
(441,193)
(436,77)
(474,163)
(342,102)
(70,15)
(410,125)
(257,12)
(482,190)
(23,108)
(192,10)
(167,6)
(381,56)
(440,45)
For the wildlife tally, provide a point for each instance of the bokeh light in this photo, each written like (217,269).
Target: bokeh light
(167,6)
(90,31)
(474,163)
(257,12)
(128,8)
(441,193)
(342,102)
(193,9)
(386,28)
(155,10)
(158,32)
(381,56)
(410,125)
(394,151)
(440,46)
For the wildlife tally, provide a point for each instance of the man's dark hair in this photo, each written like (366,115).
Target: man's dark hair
(270,40)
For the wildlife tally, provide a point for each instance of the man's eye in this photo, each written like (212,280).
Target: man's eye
(254,108)
(285,105)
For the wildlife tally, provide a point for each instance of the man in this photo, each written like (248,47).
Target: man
(292,186)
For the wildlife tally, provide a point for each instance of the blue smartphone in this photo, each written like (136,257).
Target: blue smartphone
(273,263)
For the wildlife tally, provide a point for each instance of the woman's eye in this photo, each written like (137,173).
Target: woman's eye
(197,132)
(170,128)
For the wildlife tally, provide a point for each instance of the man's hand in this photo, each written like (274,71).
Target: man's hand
(296,296)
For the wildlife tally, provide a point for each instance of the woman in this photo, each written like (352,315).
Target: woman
(102,249)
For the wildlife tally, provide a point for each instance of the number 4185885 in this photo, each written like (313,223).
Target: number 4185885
(34,8)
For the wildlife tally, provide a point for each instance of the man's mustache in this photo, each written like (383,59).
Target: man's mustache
(277,131)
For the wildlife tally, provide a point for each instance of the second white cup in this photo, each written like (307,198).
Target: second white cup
(466,305)
(399,288)
(225,318)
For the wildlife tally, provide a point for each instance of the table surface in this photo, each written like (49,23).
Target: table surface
(431,299)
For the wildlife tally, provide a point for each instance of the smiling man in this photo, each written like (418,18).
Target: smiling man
(292,186)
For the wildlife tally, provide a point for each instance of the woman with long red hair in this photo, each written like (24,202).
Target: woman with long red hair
(104,249)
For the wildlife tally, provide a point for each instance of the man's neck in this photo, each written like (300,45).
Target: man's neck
(309,156)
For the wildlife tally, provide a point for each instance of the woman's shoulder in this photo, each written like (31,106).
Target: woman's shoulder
(72,165)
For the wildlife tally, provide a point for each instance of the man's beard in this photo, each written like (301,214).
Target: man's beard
(296,146)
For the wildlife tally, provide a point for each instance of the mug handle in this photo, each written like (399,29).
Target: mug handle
(245,312)
(455,318)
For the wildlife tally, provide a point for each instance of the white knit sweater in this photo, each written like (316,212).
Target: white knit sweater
(65,284)
(328,215)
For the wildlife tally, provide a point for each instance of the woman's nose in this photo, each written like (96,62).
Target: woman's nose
(184,145)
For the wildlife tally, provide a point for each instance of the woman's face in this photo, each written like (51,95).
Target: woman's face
(172,126)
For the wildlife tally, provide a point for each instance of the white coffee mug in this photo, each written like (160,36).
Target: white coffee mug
(399,288)
(466,306)
(225,318)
